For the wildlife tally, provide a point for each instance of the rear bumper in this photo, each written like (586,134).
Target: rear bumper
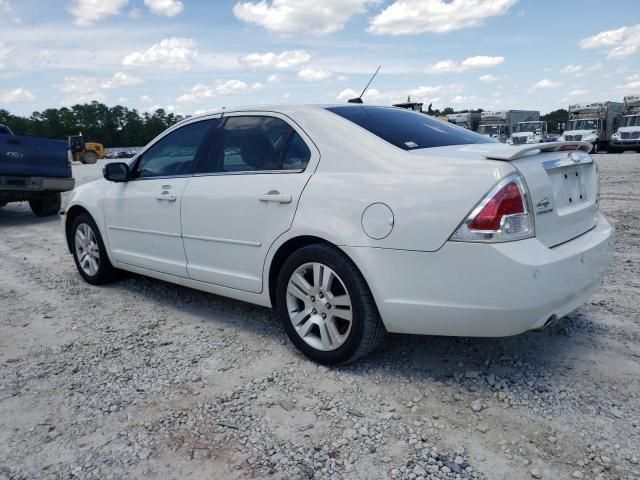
(35,184)
(482,290)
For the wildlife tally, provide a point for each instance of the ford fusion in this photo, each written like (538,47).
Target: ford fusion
(350,221)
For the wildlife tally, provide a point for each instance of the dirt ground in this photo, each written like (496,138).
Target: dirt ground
(143,379)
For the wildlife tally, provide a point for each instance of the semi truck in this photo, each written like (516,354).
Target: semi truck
(627,136)
(468,120)
(594,123)
(500,125)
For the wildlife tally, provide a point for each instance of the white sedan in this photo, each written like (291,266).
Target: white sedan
(352,220)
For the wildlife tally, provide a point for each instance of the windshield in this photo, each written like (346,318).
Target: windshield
(631,121)
(407,129)
(528,127)
(589,124)
(489,129)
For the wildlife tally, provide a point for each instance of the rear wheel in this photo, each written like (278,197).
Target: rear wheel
(326,306)
(46,205)
(90,158)
(89,252)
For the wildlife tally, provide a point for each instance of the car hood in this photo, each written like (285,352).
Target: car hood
(628,129)
(579,132)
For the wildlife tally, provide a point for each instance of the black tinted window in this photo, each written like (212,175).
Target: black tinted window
(174,154)
(249,144)
(298,154)
(407,129)
(4,130)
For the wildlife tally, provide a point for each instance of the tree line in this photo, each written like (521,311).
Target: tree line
(112,126)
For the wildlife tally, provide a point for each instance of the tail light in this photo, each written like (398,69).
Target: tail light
(503,215)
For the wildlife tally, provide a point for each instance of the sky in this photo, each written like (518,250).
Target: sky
(190,56)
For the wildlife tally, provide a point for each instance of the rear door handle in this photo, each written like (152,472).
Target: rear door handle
(275,196)
(167,197)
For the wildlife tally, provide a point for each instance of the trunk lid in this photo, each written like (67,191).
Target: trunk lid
(563,186)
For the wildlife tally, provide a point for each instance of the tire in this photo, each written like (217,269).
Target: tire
(89,158)
(46,205)
(96,271)
(353,339)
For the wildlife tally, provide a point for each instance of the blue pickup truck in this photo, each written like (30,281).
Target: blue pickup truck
(34,169)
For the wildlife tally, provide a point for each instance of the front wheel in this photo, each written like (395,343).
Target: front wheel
(46,205)
(90,158)
(89,252)
(326,307)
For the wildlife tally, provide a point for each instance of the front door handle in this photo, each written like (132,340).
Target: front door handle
(167,197)
(275,196)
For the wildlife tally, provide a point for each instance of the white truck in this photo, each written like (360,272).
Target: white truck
(468,120)
(627,137)
(593,123)
(533,131)
(500,125)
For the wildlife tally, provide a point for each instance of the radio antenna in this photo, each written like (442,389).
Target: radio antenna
(359,99)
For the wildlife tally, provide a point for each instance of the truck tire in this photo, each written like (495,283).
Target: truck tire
(46,205)
(89,158)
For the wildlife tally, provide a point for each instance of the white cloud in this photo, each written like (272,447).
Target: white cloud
(488,78)
(424,91)
(632,84)
(420,93)
(4,53)
(289,17)
(145,99)
(571,69)
(620,42)
(409,17)
(287,59)
(256,87)
(451,66)
(5,6)
(122,79)
(201,91)
(275,78)
(545,84)
(88,12)
(342,78)
(123,100)
(312,75)
(81,90)
(170,8)
(17,95)
(578,92)
(175,54)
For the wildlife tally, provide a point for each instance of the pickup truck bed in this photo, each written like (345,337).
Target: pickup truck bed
(34,169)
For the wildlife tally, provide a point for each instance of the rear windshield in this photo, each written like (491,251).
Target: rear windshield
(407,129)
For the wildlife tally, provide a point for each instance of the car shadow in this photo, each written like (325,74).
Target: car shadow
(532,355)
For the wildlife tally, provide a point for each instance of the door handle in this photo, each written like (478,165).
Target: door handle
(275,196)
(167,197)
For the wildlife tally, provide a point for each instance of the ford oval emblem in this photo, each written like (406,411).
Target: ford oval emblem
(15,155)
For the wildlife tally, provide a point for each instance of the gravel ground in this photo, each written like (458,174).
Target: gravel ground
(143,379)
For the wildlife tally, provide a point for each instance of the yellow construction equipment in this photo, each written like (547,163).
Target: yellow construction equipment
(85,152)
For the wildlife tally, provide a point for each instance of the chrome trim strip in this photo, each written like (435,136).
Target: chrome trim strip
(566,162)
(223,240)
(142,230)
(248,172)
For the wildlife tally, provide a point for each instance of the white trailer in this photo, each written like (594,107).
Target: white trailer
(594,123)
(627,137)
(500,125)
(468,120)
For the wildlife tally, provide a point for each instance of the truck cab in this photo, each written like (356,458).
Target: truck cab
(494,125)
(627,136)
(593,123)
(529,132)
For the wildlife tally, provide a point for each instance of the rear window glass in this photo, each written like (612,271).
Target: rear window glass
(407,129)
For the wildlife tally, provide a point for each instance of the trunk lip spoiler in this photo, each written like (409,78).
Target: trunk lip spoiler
(520,151)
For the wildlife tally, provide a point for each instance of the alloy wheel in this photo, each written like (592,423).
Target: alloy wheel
(87,250)
(319,306)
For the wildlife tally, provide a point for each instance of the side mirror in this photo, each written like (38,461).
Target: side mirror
(116,172)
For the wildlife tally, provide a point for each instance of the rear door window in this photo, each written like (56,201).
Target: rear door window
(256,143)
(407,129)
